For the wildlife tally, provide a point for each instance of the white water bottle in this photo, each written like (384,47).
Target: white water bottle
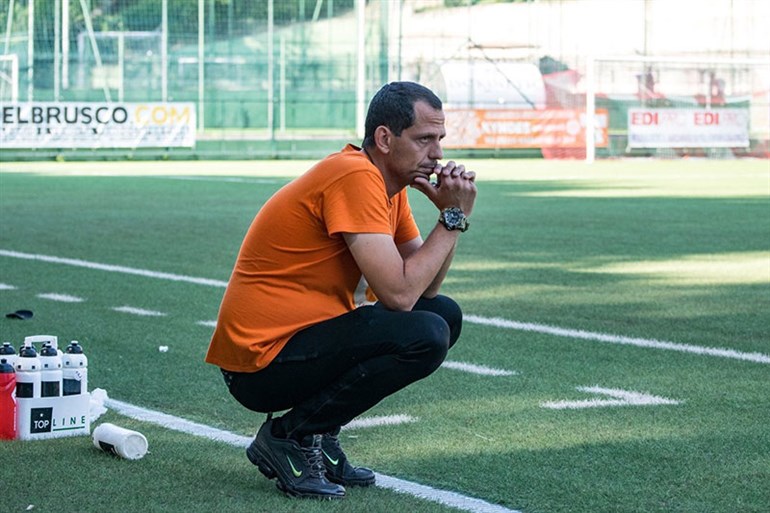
(27,372)
(118,441)
(74,370)
(50,371)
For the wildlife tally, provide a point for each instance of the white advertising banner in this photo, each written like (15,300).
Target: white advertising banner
(688,128)
(96,125)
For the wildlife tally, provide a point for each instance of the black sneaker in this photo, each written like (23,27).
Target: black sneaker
(338,469)
(298,467)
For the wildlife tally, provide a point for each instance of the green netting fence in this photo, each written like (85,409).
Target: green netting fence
(291,78)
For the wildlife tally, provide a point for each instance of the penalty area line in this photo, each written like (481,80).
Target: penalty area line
(445,497)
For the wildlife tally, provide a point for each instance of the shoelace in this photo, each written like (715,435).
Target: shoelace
(314,458)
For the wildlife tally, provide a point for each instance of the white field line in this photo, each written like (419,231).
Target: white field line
(5,286)
(222,179)
(383,420)
(175,423)
(477,369)
(494,321)
(451,499)
(113,268)
(64,298)
(618,339)
(621,398)
(209,324)
(138,311)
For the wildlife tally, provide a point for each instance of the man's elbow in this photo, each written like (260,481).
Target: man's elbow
(398,302)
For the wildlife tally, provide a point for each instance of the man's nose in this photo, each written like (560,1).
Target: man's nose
(436,153)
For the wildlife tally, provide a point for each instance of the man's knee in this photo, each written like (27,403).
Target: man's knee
(430,339)
(448,310)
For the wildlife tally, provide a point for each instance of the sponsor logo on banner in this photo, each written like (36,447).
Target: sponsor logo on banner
(688,128)
(521,128)
(96,125)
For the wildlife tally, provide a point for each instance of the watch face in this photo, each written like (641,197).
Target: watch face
(453,218)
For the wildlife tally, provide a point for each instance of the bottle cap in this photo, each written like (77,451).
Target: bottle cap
(6,367)
(74,348)
(48,350)
(27,352)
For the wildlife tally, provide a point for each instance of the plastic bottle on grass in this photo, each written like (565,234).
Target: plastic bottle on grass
(50,371)
(7,401)
(27,373)
(118,441)
(74,370)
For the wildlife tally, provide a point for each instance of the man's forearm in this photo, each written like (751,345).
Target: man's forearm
(433,289)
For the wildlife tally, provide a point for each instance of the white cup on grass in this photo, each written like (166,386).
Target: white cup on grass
(119,441)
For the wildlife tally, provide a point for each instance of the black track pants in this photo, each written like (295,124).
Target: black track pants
(330,373)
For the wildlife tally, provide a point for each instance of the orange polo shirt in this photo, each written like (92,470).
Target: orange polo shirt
(294,268)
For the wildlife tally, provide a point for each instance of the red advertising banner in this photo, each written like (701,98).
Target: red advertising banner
(509,128)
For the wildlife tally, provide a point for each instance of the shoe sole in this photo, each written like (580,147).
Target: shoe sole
(269,472)
(300,495)
(348,482)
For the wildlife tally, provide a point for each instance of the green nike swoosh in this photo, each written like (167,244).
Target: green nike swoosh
(297,473)
(331,460)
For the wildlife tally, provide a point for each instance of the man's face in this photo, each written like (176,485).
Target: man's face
(417,150)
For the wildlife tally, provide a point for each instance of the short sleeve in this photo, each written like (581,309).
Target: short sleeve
(406,226)
(356,203)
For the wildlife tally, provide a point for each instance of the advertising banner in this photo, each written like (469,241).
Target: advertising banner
(688,128)
(96,125)
(521,128)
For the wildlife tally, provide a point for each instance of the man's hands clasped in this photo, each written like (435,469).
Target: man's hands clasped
(454,187)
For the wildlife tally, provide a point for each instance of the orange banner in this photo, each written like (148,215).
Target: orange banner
(481,128)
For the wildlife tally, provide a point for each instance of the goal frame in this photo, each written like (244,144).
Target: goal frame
(11,80)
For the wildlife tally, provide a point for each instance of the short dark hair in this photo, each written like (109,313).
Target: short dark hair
(393,107)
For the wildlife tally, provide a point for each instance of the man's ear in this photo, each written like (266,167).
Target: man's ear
(383,138)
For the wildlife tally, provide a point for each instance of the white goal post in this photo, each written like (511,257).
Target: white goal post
(663,106)
(9,78)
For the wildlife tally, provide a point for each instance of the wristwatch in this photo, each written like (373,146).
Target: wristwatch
(453,219)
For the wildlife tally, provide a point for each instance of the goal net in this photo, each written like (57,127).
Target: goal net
(673,108)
